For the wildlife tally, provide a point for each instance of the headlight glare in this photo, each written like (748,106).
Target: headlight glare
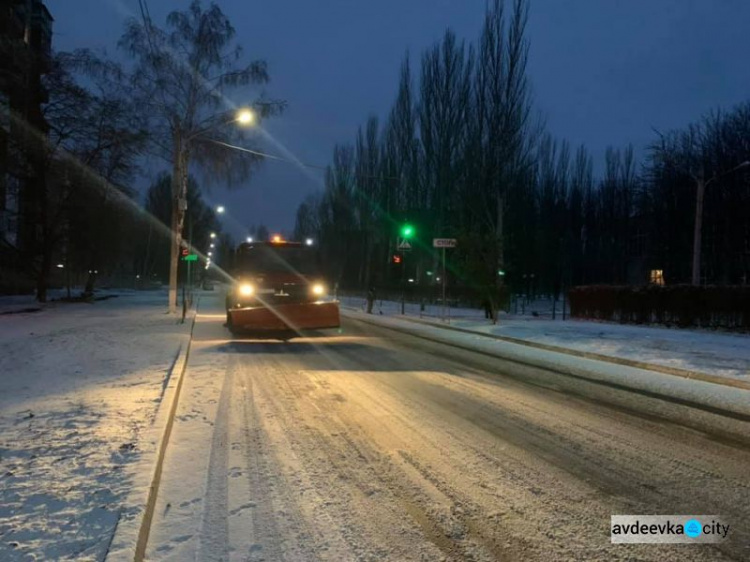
(318,289)
(247,290)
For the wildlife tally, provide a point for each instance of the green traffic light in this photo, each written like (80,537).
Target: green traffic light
(407,231)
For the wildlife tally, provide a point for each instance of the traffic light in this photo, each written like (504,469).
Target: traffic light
(407,231)
(396,258)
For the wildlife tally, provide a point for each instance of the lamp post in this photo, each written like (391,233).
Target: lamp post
(243,117)
(701,185)
(190,263)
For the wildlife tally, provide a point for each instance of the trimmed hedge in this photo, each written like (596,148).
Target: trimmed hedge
(726,307)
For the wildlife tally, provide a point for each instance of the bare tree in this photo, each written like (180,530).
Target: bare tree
(307,221)
(181,77)
(89,148)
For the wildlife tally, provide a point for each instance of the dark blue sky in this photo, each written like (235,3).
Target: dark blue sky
(603,71)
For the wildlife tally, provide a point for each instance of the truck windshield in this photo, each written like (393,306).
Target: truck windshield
(277,259)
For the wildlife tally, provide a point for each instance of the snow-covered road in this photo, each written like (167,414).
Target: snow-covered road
(370,445)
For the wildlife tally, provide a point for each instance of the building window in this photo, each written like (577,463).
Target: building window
(656,277)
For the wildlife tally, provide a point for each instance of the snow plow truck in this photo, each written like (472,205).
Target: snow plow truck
(278,289)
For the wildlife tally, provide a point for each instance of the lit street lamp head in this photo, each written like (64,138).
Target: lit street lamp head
(245,116)
(220,209)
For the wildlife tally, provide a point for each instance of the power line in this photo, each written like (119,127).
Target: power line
(146,16)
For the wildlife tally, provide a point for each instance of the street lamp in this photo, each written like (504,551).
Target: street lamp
(249,239)
(220,209)
(210,245)
(702,184)
(213,235)
(246,116)
(309,242)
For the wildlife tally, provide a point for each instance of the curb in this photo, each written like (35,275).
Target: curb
(663,369)
(132,544)
(723,400)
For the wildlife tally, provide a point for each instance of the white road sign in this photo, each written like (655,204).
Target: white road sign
(444,242)
(404,245)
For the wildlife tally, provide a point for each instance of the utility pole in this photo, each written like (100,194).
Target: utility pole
(190,262)
(698,229)
(445,275)
(179,206)
(701,185)
(407,232)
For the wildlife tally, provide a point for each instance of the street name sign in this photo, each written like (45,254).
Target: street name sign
(444,242)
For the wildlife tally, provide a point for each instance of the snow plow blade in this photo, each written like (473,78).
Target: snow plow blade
(285,317)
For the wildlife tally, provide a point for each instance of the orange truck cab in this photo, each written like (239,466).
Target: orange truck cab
(278,288)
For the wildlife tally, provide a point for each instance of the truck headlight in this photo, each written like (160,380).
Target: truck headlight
(318,290)
(247,290)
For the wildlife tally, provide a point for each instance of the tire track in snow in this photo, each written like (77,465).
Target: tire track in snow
(265,533)
(214,534)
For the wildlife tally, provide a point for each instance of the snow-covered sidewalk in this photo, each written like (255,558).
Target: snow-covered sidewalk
(79,386)
(712,353)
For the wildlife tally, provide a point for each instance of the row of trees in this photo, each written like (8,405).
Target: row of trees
(103,119)
(461,154)
(75,175)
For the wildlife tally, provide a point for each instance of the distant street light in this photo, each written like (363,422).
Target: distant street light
(249,239)
(211,246)
(213,235)
(220,209)
(309,241)
(210,254)
(246,116)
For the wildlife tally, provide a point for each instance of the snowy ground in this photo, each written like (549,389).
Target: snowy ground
(370,444)
(722,354)
(79,385)
(14,304)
